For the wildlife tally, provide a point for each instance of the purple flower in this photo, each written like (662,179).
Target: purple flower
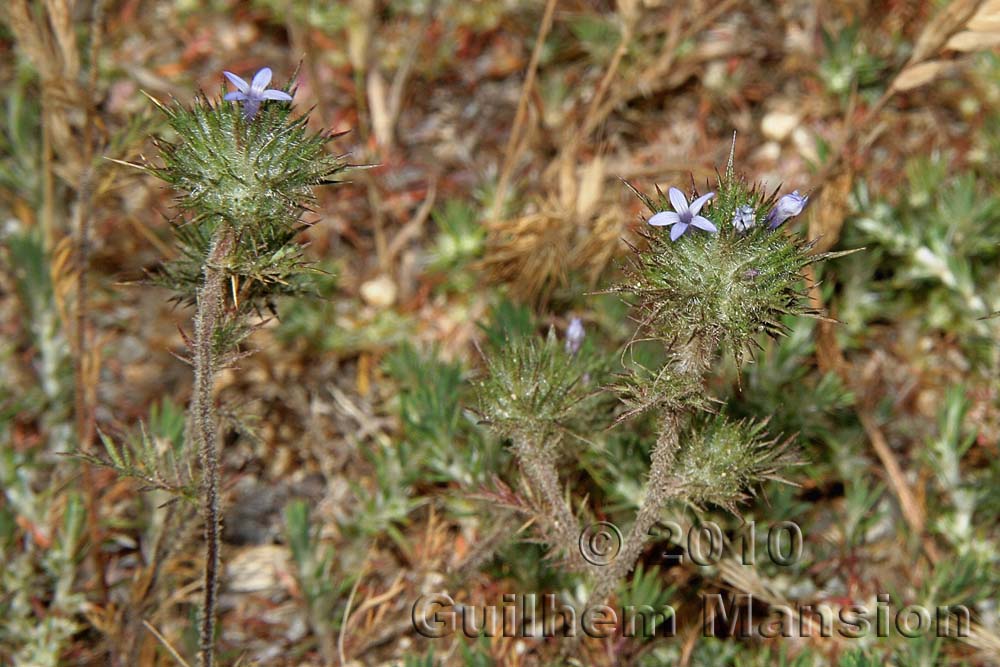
(255,92)
(744,219)
(574,335)
(683,215)
(787,207)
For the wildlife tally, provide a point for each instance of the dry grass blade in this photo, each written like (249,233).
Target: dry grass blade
(510,154)
(599,246)
(630,13)
(347,616)
(970,41)
(912,510)
(946,23)
(531,254)
(919,74)
(654,78)
(61,20)
(166,644)
(29,36)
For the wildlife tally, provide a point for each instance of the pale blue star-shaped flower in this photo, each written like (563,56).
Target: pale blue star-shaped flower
(253,93)
(684,215)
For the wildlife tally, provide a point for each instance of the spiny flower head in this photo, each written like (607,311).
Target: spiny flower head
(726,287)
(253,175)
(257,177)
(253,93)
(684,215)
(729,459)
(535,386)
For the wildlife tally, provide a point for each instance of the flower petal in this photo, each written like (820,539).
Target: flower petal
(261,79)
(242,85)
(787,207)
(235,96)
(276,95)
(678,200)
(664,218)
(575,335)
(699,202)
(250,107)
(704,223)
(677,230)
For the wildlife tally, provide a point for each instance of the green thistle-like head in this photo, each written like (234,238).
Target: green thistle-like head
(256,173)
(718,269)
(539,388)
(729,457)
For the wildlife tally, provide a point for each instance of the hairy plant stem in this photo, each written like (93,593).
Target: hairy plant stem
(538,465)
(206,432)
(692,358)
(659,489)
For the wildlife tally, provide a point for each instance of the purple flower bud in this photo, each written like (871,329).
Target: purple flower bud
(253,93)
(787,207)
(683,215)
(574,335)
(744,218)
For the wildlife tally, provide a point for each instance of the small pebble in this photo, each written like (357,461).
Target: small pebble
(379,292)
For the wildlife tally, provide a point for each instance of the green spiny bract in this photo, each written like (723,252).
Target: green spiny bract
(257,176)
(726,287)
(720,459)
(535,389)
(641,389)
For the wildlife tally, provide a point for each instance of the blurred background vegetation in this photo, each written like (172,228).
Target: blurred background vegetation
(357,474)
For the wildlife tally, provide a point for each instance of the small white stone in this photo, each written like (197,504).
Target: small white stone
(379,292)
(256,569)
(716,77)
(769,151)
(777,125)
